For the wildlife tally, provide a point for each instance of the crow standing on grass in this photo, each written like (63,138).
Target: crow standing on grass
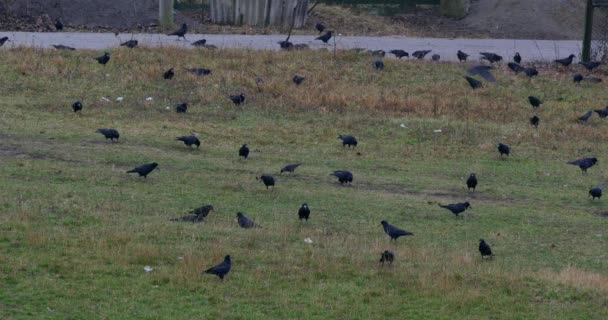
(503,149)
(491,57)
(585,117)
(420,54)
(515,67)
(596,192)
(517,58)
(348,140)
(565,61)
(590,65)
(130,44)
(387,256)
(531,72)
(298,79)
(584,163)
(399,53)
(393,231)
(181,107)
(268,180)
(325,37)
(109,133)
(602,113)
(190,140)
(181,32)
(472,182)
(168,75)
(144,170)
(456,208)
(474,83)
(534,101)
(379,65)
(244,151)
(222,269)
(199,43)
(462,56)
(3,40)
(535,121)
(103,59)
(197,215)
(485,249)
(244,222)
(237,99)
(304,212)
(577,78)
(290,167)
(77,106)
(343,176)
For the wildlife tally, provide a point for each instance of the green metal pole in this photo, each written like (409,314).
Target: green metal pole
(588,29)
(165,13)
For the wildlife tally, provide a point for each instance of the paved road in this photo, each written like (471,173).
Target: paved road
(531,50)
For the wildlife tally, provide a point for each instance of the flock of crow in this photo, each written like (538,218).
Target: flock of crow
(344,176)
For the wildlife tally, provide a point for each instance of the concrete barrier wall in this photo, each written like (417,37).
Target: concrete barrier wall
(258,12)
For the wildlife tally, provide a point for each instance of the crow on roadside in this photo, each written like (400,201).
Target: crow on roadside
(491,57)
(485,249)
(377,53)
(199,43)
(596,192)
(517,58)
(472,182)
(420,54)
(515,67)
(168,75)
(222,269)
(462,56)
(109,133)
(565,61)
(474,83)
(320,27)
(325,37)
(456,208)
(399,53)
(181,107)
(503,149)
(244,151)
(590,65)
(290,167)
(348,140)
(530,72)
(181,32)
(304,212)
(59,24)
(343,176)
(435,57)
(62,47)
(267,180)
(190,141)
(387,256)
(393,231)
(130,44)
(584,163)
(103,59)
(244,222)
(144,169)
(77,106)
(3,40)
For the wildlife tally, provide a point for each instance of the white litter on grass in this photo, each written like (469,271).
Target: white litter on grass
(180,258)
(308,240)
(437,131)
(119,99)
(403,125)
(104,99)
(148,269)
(149,99)
(168,108)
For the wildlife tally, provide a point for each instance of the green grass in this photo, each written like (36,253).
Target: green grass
(76,230)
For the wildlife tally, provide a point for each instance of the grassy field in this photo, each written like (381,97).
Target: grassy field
(76,231)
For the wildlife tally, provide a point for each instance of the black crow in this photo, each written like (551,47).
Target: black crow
(168,75)
(584,163)
(199,43)
(517,58)
(577,78)
(590,65)
(348,140)
(199,71)
(377,53)
(491,57)
(130,44)
(435,57)
(190,140)
(530,72)
(483,71)
(393,231)
(603,113)
(197,215)
(244,222)
(535,121)
(585,116)
(244,151)
(103,59)
(181,107)
(399,53)
(77,106)
(379,65)
(485,249)
(420,54)
(304,212)
(472,182)
(109,133)
(565,61)
(456,208)
(267,180)
(181,32)
(325,37)
(144,169)
(503,149)
(515,67)
(3,40)
(596,192)
(286,45)
(534,101)
(387,256)
(237,99)
(222,269)
(320,27)
(290,167)
(298,79)
(462,56)
(59,24)
(343,176)
(474,83)
(62,47)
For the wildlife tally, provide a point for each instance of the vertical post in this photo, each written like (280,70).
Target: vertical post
(165,13)
(588,29)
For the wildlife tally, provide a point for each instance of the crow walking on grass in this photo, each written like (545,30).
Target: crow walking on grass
(190,141)
(535,121)
(472,182)
(197,215)
(109,133)
(144,170)
(456,208)
(181,107)
(348,140)
(485,249)
(304,212)
(77,106)
(104,59)
(168,75)
(399,53)
(267,180)
(222,269)
(387,256)
(290,167)
(343,176)
(565,61)
(298,79)
(244,151)
(244,222)
(474,83)
(596,192)
(503,149)
(584,163)
(393,231)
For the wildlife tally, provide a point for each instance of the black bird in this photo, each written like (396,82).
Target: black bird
(197,215)
(420,54)
(199,43)
(399,53)
(517,58)
(168,75)
(585,116)
(503,149)
(584,163)
(325,37)
(378,53)
(590,65)
(515,67)
(267,180)
(244,151)
(483,71)
(565,61)
(577,78)
(181,32)
(77,106)
(130,44)
(534,101)
(304,212)
(379,65)
(596,192)
(285,44)
(109,133)
(103,59)
(59,24)
(348,140)
(387,256)
(199,71)
(435,57)
(144,169)
(290,167)
(190,140)
(485,249)
(62,47)
(237,99)
(535,121)
(244,222)
(603,113)
(472,182)
(343,176)
(530,72)
(474,83)
(491,57)
(462,56)
(181,107)
(457,208)
(393,231)
(320,27)
(222,269)
(298,79)
(3,40)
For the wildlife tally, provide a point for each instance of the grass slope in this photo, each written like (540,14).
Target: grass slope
(76,230)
